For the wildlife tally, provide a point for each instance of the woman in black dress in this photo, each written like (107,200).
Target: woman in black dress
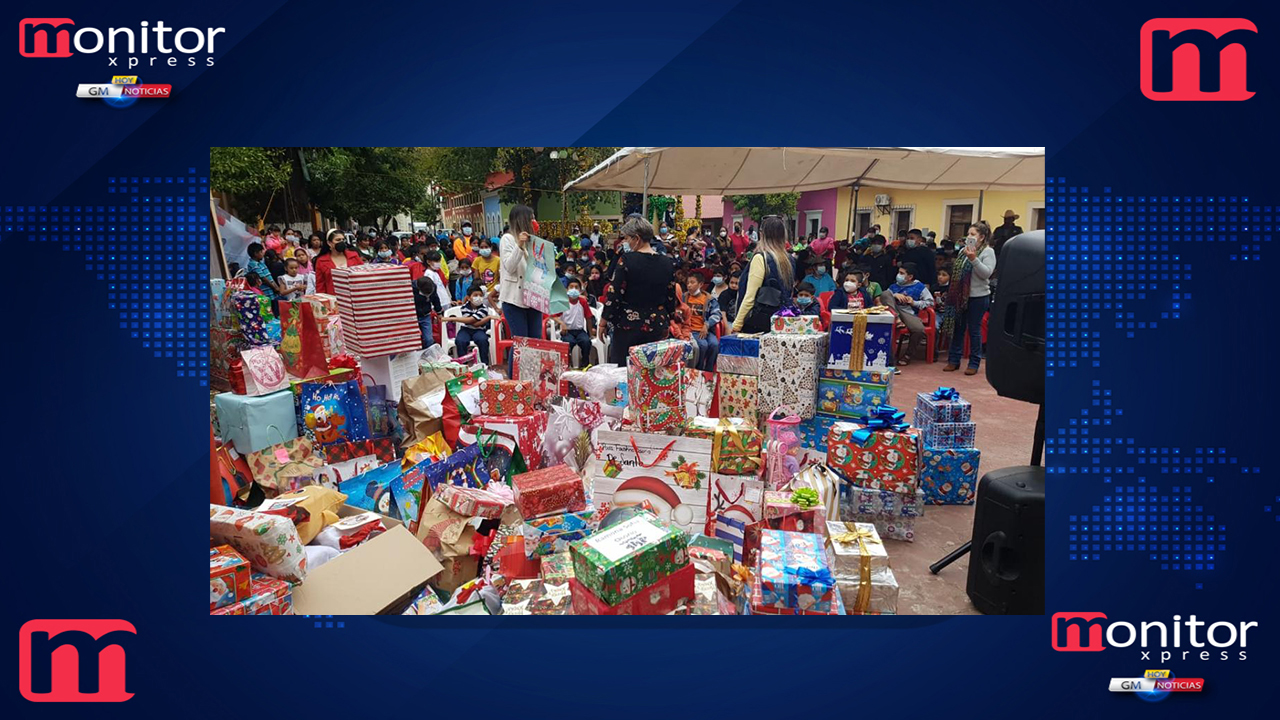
(642,293)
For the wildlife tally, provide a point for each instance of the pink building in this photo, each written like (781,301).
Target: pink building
(816,209)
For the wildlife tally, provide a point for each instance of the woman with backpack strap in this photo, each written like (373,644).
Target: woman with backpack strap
(766,282)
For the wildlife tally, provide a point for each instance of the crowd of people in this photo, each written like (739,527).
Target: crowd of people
(647,286)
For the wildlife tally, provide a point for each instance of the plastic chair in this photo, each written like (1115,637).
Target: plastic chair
(930,320)
(824,308)
(600,346)
(500,340)
(448,338)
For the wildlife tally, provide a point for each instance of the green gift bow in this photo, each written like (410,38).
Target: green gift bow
(805,498)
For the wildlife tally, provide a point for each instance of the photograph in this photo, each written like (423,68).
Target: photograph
(627,381)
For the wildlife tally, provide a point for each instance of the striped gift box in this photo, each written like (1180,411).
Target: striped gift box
(375,303)
(726,528)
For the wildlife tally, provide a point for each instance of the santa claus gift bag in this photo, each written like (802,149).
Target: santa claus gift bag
(540,362)
(656,380)
(300,342)
(333,412)
(672,473)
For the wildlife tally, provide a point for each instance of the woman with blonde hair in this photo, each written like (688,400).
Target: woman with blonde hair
(970,295)
(766,285)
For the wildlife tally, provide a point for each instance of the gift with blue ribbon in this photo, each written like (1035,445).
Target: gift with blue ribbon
(943,405)
(885,417)
(793,572)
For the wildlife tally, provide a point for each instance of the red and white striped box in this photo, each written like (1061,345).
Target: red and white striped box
(375,303)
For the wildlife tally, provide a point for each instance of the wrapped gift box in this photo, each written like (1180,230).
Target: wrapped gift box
(655,379)
(471,502)
(861,340)
(225,345)
(789,365)
(507,397)
(948,435)
(250,422)
(793,572)
(267,596)
(269,542)
(557,567)
(526,431)
(540,362)
(708,598)
(754,604)
(739,354)
(882,455)
(324,308)
(375,303)
(849,394)
(813,439)
(552,534)
(537,597)
(855,548)
(880,598)
(511,562)
(778,503)
(739,395)
(943,405)
(616,563)
(228,577)
(797,324)
(893,514)
(557,489)
(664,596)
(701,393)
(949,476)
(736,444)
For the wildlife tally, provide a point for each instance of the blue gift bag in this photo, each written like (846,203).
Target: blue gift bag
(333,412)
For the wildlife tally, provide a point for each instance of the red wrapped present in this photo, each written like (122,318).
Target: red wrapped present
(228,577)
(472,502)
(383,448)
(540,362)
(668,594)
(881,454)
(556,489)
(507,397)
(526,431)
(512,562)
(267,596)
(805,521)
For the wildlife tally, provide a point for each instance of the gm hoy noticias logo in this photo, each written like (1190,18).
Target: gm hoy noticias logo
(1158,640)
(1198,59)
(75,660)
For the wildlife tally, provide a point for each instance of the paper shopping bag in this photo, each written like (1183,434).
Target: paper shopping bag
(465,468)
(421,405)
(263,369)
(542,290)
(333,412)
(371,490)
(286,466)
(231,484)
(300,343)
(249,316)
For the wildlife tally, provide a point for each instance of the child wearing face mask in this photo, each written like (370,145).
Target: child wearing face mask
(577,324)
(819,278)
(475,320)
(461,279)
(487,266)
(427,304)
(805,300)
(596,281)
(438,276)
(850,295)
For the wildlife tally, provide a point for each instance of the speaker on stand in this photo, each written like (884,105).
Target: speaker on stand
(1006,570)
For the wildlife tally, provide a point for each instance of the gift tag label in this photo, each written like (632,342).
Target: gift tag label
(555,593)
(348,524)
(623,540)
(282,456)
(278,503)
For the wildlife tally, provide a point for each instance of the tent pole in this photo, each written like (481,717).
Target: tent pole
(853,211)
(979,217)
(644,203)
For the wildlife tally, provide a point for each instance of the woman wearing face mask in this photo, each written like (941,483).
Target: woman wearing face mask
(769,279)
(970,295)
(642,293)
(335,254)
(738,240)
(383,254)
(514,248)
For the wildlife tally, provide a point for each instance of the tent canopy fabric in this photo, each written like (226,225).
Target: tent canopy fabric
(756,170)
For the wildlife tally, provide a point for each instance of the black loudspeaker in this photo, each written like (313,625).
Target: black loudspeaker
(1015,331)
(1006,562)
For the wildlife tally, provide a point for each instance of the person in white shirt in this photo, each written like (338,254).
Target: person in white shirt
(292,285)
(513,249)
(577,324)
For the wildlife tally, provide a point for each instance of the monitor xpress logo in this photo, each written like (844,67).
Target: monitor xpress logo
(1197,59)
(74,660)
(144,46)
(1085,632)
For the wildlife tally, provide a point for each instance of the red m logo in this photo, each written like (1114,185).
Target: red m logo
(74,660)
(41,37)
(1069,632)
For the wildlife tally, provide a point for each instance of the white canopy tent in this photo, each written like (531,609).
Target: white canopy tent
(757,170)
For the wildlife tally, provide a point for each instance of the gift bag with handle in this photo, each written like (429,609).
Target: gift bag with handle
(333,412)
(300,343)
(263,370)
(784,439)
(286,466)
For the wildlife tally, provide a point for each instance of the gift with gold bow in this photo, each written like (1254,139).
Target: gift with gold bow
(863,577)
(736,444)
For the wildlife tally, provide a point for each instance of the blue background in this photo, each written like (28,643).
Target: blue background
(1160,216)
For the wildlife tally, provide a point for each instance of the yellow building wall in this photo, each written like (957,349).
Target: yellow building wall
(930,206)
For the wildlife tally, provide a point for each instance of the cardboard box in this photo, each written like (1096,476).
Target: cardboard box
(844,393)
(617,563)
(662,597)
(373,578)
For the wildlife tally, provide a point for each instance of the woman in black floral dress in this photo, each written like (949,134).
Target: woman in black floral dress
(641,295)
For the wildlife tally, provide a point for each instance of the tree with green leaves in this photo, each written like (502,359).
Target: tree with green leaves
(369,185)
(760,206)
(253,175)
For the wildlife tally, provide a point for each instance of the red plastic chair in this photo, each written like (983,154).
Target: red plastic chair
(824,308)
(930,320)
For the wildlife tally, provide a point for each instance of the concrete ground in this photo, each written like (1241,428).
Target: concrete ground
(1005,431)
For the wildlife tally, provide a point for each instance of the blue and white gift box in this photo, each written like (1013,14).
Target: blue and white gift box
(877,340)
(739,354)
(943,405)
(948,435)
(251,422)
(849,394)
